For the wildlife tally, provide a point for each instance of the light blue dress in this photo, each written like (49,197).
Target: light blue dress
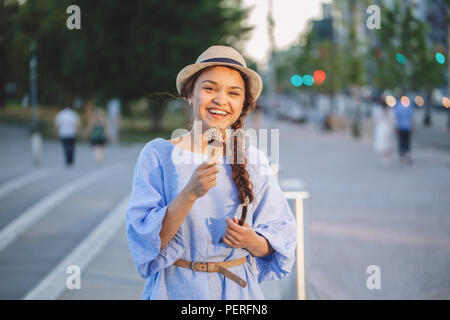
(162,171)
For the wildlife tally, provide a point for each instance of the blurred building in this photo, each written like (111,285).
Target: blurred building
(434,14)
(323,28)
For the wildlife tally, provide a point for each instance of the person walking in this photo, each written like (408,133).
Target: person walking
(405,129)
(384,132)
(66,128)
(210,228)
(97,131)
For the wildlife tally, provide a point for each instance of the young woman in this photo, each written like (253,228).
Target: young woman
(184,225)
(384,132)
(97,131)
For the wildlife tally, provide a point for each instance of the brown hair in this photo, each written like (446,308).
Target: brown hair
(239,172)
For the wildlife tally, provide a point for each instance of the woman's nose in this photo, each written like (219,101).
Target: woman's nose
(219,99)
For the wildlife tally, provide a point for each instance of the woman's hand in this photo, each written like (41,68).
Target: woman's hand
(202,180)
(237,236)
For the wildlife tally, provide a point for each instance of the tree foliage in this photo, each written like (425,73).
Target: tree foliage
(403,33)
(8,14)
(125,49)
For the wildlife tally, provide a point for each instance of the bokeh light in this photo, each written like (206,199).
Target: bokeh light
(296,80)
(308,80)
(400,58)
(405,101)
(319,77)
(419,101)
(446,102)
(391,101)
(440,58)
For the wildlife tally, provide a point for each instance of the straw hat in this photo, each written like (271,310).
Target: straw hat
(221,56)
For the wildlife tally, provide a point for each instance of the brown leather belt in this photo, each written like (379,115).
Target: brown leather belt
(215,267)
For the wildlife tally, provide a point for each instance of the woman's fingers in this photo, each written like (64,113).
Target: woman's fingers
(210,178)
(212,170)
(236,236)
(236,220)
(230,241)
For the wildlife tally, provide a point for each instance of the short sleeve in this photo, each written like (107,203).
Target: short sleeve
(145,212)
(274,220)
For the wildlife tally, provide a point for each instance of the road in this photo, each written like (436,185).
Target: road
(359,215)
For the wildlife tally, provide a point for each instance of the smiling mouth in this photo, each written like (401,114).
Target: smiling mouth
(216,114)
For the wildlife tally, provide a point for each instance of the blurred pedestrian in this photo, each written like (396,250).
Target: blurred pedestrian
(66,128)
(405,129)
(97,132)
(384,132)
(113,108)
(181,225)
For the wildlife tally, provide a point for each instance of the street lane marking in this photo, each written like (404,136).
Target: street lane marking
(22,181)
(54,284)
(30,216)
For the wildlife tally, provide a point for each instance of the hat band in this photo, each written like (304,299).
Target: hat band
(227,60)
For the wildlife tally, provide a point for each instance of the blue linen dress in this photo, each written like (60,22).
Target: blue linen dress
(158,178)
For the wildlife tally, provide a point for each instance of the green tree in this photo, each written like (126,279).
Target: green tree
(403,33)
(127,49)
(8,13)
(330,59)
(426,73)
(353,62)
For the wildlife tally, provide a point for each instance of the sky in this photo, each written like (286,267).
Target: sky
(291,17)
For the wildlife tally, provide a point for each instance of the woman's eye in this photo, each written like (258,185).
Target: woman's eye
(235,93)
(208,88)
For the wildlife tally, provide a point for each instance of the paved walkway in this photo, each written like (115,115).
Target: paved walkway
(359,215)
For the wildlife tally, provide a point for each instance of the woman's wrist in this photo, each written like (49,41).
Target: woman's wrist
(189,196)
(261,247)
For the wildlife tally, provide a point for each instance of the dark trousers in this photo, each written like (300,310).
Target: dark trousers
(404,137)
(69,149)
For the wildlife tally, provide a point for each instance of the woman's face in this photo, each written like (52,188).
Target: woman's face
(218,90)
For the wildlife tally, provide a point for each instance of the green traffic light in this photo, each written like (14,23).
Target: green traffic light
(400,58)
(296,80)
(308,80)
(440,58)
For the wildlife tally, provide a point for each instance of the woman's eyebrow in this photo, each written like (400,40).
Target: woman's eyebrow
(215,83)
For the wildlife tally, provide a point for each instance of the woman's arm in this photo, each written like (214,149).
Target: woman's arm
(175,215)
(203,179)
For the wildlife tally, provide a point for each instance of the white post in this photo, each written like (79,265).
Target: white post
(301,291)
(298,196)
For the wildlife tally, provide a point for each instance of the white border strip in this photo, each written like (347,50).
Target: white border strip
(54,284)
(30,216)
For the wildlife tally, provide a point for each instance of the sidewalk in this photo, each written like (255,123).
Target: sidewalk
(361,214)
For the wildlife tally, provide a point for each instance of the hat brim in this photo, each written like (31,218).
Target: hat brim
(255,81)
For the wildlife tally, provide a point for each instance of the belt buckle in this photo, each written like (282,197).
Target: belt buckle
(193,263)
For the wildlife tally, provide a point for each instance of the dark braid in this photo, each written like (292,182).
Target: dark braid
(240,175)
(239,172)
